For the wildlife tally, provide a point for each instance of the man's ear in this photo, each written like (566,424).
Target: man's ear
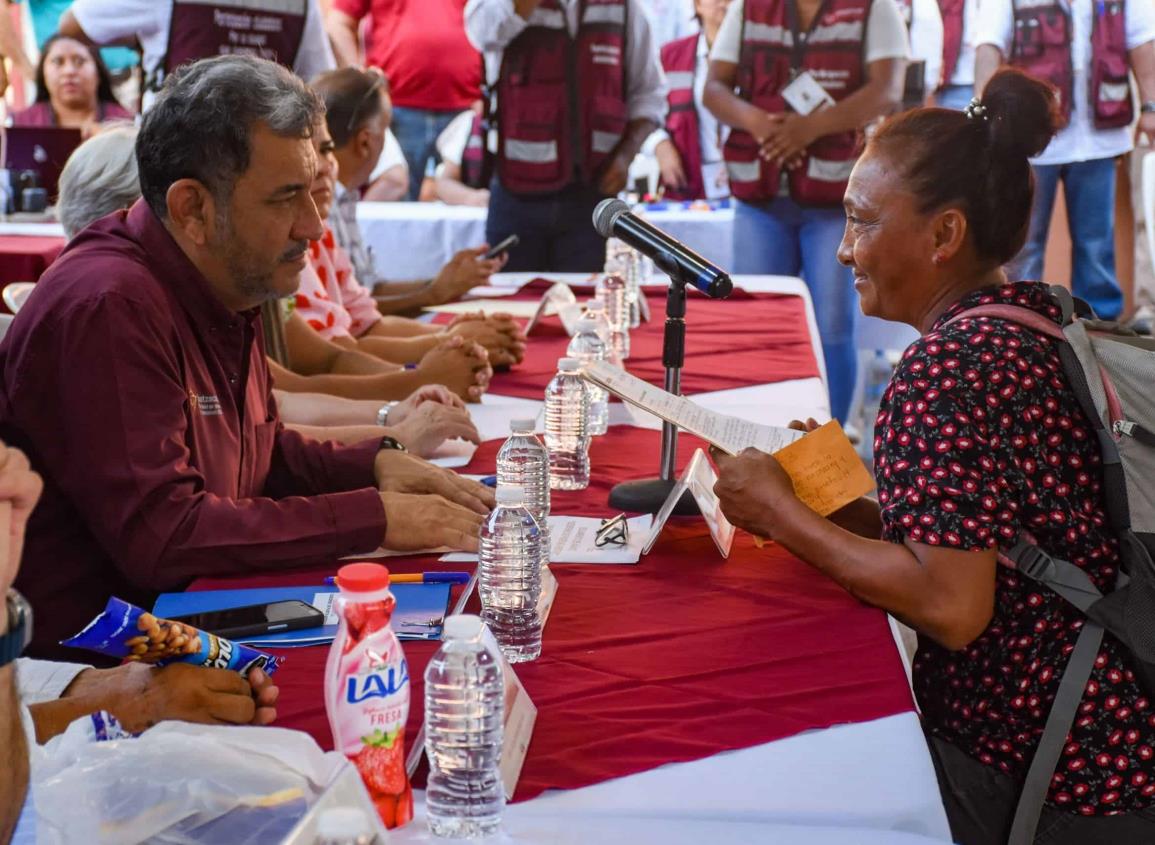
(363,143)
(191,210)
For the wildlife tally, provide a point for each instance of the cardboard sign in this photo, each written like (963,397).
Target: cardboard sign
(698,478)
(826,471)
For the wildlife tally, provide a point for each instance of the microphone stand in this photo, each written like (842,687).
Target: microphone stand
(648,495)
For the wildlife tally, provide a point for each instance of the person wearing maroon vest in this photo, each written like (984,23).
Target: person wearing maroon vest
(1086,50)
(789,170)
(959,29)
(577,88)
(174,32)
(689,149)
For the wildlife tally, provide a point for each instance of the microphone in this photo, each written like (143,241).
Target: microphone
(613,219)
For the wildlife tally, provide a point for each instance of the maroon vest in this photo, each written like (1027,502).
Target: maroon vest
(679,59)
(1042,47)
(271,30)
(952,33)
(832,52)
(561,101)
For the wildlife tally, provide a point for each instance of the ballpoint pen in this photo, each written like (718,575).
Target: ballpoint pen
(417,578)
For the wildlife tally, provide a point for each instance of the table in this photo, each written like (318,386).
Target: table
(391,229)
(753,754)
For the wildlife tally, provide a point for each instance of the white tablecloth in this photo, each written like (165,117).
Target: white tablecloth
(412,240)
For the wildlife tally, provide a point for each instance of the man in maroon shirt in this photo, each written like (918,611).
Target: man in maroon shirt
(434,72)
(135,377)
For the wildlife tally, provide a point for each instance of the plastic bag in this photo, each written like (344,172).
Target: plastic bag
(177,784)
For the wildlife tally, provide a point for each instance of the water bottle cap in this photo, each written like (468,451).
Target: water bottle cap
(585,324)
(569,365)
(463,626)
(363,578)
(343,824)
(510,494)
(523,426)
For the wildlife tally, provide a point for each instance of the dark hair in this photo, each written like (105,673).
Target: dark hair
(977,159)
(201,124)
(349,103)
(103,77)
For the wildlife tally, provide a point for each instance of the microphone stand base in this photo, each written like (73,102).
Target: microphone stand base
(648,495)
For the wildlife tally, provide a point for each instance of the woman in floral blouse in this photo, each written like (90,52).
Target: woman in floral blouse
(979,438)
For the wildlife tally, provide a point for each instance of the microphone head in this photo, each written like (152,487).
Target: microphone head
(606,215)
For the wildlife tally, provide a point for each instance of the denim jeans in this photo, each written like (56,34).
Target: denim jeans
(955,97)
(417,131)
(554,229)
(783,238)
(980,804)
(1089,188)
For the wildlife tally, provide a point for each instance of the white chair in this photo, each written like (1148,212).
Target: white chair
(16,294)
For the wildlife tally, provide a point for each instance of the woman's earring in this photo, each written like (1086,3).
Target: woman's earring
(937,259)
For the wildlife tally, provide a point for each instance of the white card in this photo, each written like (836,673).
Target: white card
(666,509)
(701,481)
(558,295)
(572,540)
(520,717)
(805,95)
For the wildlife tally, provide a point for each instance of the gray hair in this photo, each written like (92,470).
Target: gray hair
(99,178)
(200,126)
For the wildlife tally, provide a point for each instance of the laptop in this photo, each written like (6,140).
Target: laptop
(43,149)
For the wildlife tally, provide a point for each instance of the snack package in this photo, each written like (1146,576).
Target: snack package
(124,630)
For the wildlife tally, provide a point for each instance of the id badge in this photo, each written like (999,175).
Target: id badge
(805,95)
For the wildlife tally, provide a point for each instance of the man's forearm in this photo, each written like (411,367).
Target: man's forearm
(988,59)
(728,107)
(390,387)
(1143,66)
(637,131)
(342,31)
(13,753)
(403,297)
(399,350)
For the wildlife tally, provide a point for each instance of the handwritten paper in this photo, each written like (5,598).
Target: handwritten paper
(826,471)
(730,434)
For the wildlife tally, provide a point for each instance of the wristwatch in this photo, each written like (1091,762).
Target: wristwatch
(383,413)
(1147,107)
(393,443)
(13,643)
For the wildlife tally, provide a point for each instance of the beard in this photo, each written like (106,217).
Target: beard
(252,277)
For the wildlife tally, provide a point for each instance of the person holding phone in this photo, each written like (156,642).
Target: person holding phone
(796,81)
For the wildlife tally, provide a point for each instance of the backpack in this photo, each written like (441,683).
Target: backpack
(1112,372)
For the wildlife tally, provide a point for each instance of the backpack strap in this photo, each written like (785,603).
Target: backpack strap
(1054,738)
(1015,314)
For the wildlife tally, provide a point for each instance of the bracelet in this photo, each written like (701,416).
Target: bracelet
(383,413)
(1148,107)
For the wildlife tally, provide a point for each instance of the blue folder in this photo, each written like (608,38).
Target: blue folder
(419,613)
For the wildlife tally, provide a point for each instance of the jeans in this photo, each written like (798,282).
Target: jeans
(980,805)
(783,238)
(1089,188)
(417,131)
(554,229)
(955,97)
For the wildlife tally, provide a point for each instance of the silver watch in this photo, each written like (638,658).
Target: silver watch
(383,413)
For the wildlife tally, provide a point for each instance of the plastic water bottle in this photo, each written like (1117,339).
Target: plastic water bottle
(510,559)
(367,689)
(611,290)
(595,310)
(523,461)
(567,400)
(464,708)
(587,347)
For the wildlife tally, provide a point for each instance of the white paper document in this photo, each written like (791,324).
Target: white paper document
(553,301)
(730,434)
(572,540)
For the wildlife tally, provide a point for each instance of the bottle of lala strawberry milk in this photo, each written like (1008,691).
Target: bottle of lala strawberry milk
(367,689)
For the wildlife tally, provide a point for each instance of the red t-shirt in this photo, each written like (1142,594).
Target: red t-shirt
(421,46)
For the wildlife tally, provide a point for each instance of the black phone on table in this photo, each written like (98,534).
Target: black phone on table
(256,619)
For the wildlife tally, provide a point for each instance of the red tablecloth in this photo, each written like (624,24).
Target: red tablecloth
(770,343)
(678,658)
(24,257)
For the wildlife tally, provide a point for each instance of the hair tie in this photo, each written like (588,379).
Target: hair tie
(975,110)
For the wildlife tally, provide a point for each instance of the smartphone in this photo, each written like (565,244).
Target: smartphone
(256,619)
(505,246)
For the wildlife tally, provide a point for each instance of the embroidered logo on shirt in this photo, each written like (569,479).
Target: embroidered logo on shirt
(207,404)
